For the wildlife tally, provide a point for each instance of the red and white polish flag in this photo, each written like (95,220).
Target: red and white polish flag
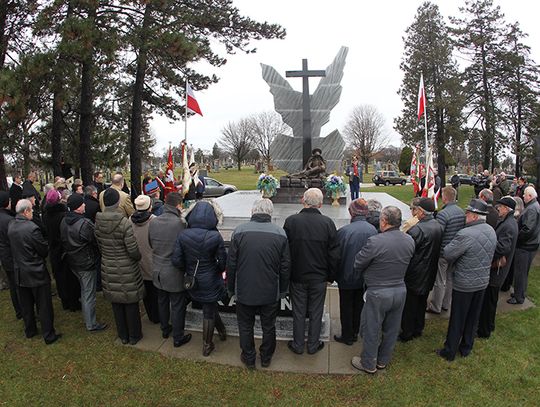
(192,103)
(421,98)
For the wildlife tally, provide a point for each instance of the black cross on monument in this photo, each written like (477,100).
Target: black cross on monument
(305,74)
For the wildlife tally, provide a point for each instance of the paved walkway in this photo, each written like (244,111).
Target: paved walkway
(334,358)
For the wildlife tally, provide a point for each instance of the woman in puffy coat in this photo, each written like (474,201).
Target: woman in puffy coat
(120,273)
(200,252)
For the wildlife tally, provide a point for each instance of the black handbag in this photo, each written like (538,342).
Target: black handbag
(189,281)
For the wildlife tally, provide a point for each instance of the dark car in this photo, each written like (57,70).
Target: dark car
(464,179)
(215,188)
(387,178)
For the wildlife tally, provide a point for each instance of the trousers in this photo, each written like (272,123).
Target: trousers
(413,319)
(522,264)
(442,289)
(486,322)
(245,315)
(172,306)
(39,297)
(463,322)
(307,299)
(379,325)
(151,301)
(128,321)
(87,281)
(350,310)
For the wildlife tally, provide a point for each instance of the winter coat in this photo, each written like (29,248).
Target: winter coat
(15,194)
(121,277)
(529,227)
(91,208)
(157,207)
(471,252)
(141,222)
(162,233)
(52,217)
(351,239)
(201,241)
(507,232)
(258,262)
(384,259)
(452,219)
(6,258)
(422,270)
(313,245)
(373,219)
(29,250)
(125,205)
(79,242)
(492,217)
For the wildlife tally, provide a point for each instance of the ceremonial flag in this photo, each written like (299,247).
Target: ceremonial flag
(429,186)
(414,170)
(186,178)
(169,174)
(191,102)
(421,98)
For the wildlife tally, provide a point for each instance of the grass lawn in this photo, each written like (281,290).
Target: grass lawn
(90,369)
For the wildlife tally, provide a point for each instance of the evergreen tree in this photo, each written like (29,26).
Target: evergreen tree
(479,34)
(428,49)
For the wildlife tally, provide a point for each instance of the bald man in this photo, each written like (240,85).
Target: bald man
(125,206)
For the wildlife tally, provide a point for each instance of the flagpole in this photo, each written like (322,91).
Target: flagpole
(185,112)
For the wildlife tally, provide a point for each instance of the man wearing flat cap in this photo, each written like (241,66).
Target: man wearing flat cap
(80,246)
(470,251)
(420,276)
(507,233)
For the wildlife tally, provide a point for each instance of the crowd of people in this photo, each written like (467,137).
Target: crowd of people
(388,272)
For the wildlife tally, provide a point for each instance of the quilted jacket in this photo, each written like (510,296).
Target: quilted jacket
(471,252)
(120,274)
(452,219)
(201,241)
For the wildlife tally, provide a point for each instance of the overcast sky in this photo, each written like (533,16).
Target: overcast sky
(316,29)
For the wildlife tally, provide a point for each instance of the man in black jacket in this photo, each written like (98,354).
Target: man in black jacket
(507,232)
(15,191)
(81,249)
(6,258)
(422,270)
(91,203)
(258,273)
(29,250)
(527,244)
(314,261)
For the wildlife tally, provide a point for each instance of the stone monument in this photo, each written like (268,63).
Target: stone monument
(306,114)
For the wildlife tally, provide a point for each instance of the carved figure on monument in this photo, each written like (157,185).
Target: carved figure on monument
(306,114)
(315,167)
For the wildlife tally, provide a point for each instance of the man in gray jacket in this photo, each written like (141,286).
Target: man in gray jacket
(452,219)
(383,262)
(470,252)
(168,279)
(527,244)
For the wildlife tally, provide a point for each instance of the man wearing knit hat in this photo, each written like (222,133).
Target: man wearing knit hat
(352,238)
(6,258)
(80,246)
(470,251)
(420,275)
(507,233)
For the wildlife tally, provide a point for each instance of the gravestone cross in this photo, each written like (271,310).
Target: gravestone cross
(305,74)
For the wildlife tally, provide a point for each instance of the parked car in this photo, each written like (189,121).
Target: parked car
(387,178)
(215,188)
(464,179)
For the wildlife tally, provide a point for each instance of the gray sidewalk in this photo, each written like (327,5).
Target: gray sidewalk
(335,358)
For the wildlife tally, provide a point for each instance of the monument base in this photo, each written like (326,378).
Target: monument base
(293,195)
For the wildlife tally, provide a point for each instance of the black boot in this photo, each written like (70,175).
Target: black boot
(220,327)
(208,335)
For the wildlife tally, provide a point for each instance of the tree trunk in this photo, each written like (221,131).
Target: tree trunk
(58,105)
(87,102)
(135,155)
(3,180)
(518,127)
